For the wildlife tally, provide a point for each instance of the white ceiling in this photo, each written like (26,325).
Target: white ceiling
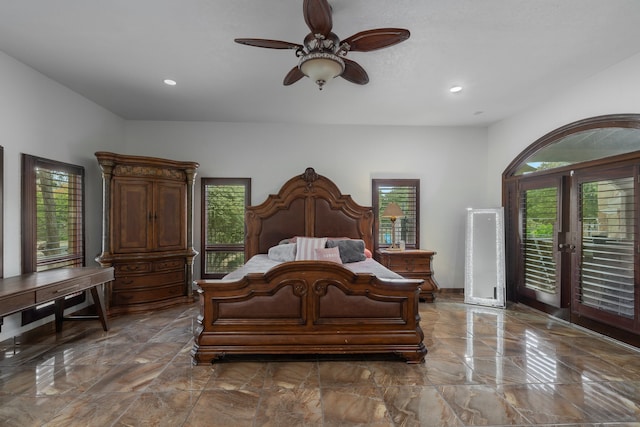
(508,55)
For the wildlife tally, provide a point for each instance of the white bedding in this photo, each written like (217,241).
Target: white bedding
(261,264)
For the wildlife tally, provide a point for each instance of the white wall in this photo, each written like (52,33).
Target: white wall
(613,91)
(450,163)
(40,117)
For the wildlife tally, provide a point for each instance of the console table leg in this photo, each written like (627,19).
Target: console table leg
(100,308)
(59,312)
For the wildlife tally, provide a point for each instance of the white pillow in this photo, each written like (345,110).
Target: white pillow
(283,253)
(307,246)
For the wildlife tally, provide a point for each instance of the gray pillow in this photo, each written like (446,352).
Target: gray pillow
(283,253)
(351,250)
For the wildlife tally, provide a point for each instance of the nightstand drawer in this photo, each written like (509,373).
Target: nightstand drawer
(409,264)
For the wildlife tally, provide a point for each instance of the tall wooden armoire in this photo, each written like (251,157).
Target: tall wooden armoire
(147,231)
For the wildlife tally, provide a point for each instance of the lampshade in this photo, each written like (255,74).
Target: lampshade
(321,67)
(392,211)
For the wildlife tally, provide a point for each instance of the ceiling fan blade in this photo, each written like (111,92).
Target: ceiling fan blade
(293,76)
(317,15)
(354,72)
(366,41)
(270,44)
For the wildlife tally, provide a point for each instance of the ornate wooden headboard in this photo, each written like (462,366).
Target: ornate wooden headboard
(306,205)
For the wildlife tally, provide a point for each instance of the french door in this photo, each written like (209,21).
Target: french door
(578,245)
(544,224)
(604,274)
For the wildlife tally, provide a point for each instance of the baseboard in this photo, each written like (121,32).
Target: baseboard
(451,291)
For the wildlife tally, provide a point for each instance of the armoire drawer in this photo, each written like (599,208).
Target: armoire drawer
(148,281)
(166,265)
(132,268)
(144,295)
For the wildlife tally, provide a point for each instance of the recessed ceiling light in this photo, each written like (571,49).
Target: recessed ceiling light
(455,89)
(170,82)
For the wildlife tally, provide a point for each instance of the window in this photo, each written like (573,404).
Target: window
(53,214)
(52,222)
(223,206)
(582,146)
(406,193)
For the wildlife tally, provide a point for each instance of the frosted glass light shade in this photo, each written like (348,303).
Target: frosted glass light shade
(321,67)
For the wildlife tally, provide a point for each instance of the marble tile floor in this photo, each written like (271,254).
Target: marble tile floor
(485,366)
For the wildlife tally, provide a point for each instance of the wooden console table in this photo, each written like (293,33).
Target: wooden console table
(28,290)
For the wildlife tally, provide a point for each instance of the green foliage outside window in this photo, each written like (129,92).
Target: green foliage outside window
(225,214)
(52,201)
(541,208)
(224,202)
(58,218)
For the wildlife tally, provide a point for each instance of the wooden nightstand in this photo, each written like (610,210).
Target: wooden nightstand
(412,264)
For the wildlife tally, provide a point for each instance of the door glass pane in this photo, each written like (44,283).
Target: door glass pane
(540,216)
(608,228)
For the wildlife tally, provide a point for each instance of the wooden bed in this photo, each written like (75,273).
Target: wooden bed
(308,307)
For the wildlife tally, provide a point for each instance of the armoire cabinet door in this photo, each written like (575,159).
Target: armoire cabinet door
(170,216)
(132,216)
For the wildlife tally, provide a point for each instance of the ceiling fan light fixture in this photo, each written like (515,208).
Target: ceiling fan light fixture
(321,67)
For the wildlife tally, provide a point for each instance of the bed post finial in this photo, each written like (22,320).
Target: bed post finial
(309,176)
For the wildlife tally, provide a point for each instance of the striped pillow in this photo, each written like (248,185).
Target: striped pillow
(307,246)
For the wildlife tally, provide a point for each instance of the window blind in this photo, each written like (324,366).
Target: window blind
(540,216)
(59,216)
(224,201)
(405,193)
(607,214)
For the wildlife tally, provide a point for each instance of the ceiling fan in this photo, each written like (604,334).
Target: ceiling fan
(323,55)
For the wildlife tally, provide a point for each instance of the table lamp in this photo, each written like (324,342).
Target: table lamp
(393,212)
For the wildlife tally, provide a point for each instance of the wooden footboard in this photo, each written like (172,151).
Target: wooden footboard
(308,307)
